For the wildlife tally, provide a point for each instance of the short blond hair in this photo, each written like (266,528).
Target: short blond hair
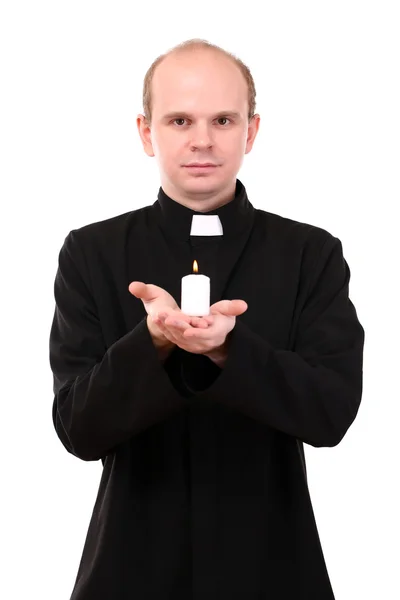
(193,45)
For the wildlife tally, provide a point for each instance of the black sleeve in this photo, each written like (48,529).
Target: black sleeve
(197,372)
(102,396)
(313,392)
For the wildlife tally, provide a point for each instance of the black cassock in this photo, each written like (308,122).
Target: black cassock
(204,493)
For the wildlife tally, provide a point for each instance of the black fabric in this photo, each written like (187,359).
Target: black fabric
(204,492)
(176,219)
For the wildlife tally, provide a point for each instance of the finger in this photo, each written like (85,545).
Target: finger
(229,307)
(176,314)
(173,320)
(209,319)
(197,332)
(176,324)
(171,313)
(163,314)
(202,322)
(167,331)
(138,289)
(145,291)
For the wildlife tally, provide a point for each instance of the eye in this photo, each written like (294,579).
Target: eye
(223,119)
(178,119)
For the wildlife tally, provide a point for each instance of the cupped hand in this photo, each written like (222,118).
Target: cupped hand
(159,303)
(199,340)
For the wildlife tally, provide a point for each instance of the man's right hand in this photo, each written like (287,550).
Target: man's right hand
(158,301)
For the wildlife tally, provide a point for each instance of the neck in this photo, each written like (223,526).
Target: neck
(201,201)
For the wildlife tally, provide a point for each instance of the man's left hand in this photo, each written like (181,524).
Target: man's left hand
(210,341)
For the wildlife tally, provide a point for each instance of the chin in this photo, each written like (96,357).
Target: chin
(191,179)
(202,183)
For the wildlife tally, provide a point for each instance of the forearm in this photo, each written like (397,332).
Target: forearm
(120,396)
(104,394)
(315,403)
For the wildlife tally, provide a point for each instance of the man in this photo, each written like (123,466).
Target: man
(200,421)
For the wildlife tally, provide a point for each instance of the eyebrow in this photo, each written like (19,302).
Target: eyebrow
(223,113)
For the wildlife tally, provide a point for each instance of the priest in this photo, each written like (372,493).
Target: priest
(200,421)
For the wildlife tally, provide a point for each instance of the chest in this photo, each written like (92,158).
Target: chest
(255,269)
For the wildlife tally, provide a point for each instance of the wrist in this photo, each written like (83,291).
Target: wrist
(219,355)
(163,352)
(162,344)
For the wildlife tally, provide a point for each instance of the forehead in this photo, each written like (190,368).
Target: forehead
(201,81)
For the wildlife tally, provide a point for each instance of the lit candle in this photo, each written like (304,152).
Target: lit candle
(195,294)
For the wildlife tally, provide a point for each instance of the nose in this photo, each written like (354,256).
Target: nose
(200,136)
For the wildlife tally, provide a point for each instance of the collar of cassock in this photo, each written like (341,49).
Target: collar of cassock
(183,222)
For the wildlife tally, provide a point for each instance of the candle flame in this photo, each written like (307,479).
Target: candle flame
(195,267)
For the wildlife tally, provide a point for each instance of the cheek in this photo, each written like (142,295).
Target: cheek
(234,145)
(170,148)
(162,141)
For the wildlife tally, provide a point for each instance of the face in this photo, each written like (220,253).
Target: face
(199,115)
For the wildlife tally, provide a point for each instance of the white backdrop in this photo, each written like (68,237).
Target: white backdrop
(327,153)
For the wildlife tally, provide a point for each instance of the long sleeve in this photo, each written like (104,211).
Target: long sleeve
(313,392)
(197,372)
(102,396)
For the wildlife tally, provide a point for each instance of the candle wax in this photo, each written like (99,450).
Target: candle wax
(195,295)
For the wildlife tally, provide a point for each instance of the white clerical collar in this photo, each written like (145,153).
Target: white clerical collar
(206,225)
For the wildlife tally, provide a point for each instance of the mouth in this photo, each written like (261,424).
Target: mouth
(198,164)
(200,168)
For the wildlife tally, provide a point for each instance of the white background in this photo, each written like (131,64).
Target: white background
(327,153)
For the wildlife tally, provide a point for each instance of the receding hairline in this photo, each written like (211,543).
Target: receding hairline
(193,49)
(198,46)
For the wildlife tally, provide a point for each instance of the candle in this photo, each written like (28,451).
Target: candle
(195,294)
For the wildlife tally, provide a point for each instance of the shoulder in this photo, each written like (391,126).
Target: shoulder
(296,235)
(108,230)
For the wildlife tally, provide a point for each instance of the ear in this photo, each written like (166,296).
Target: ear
(145,134)
(252,132)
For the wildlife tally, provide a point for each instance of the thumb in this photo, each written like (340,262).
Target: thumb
(229,307)
(145,291)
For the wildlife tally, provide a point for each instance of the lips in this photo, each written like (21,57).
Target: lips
(198,165)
